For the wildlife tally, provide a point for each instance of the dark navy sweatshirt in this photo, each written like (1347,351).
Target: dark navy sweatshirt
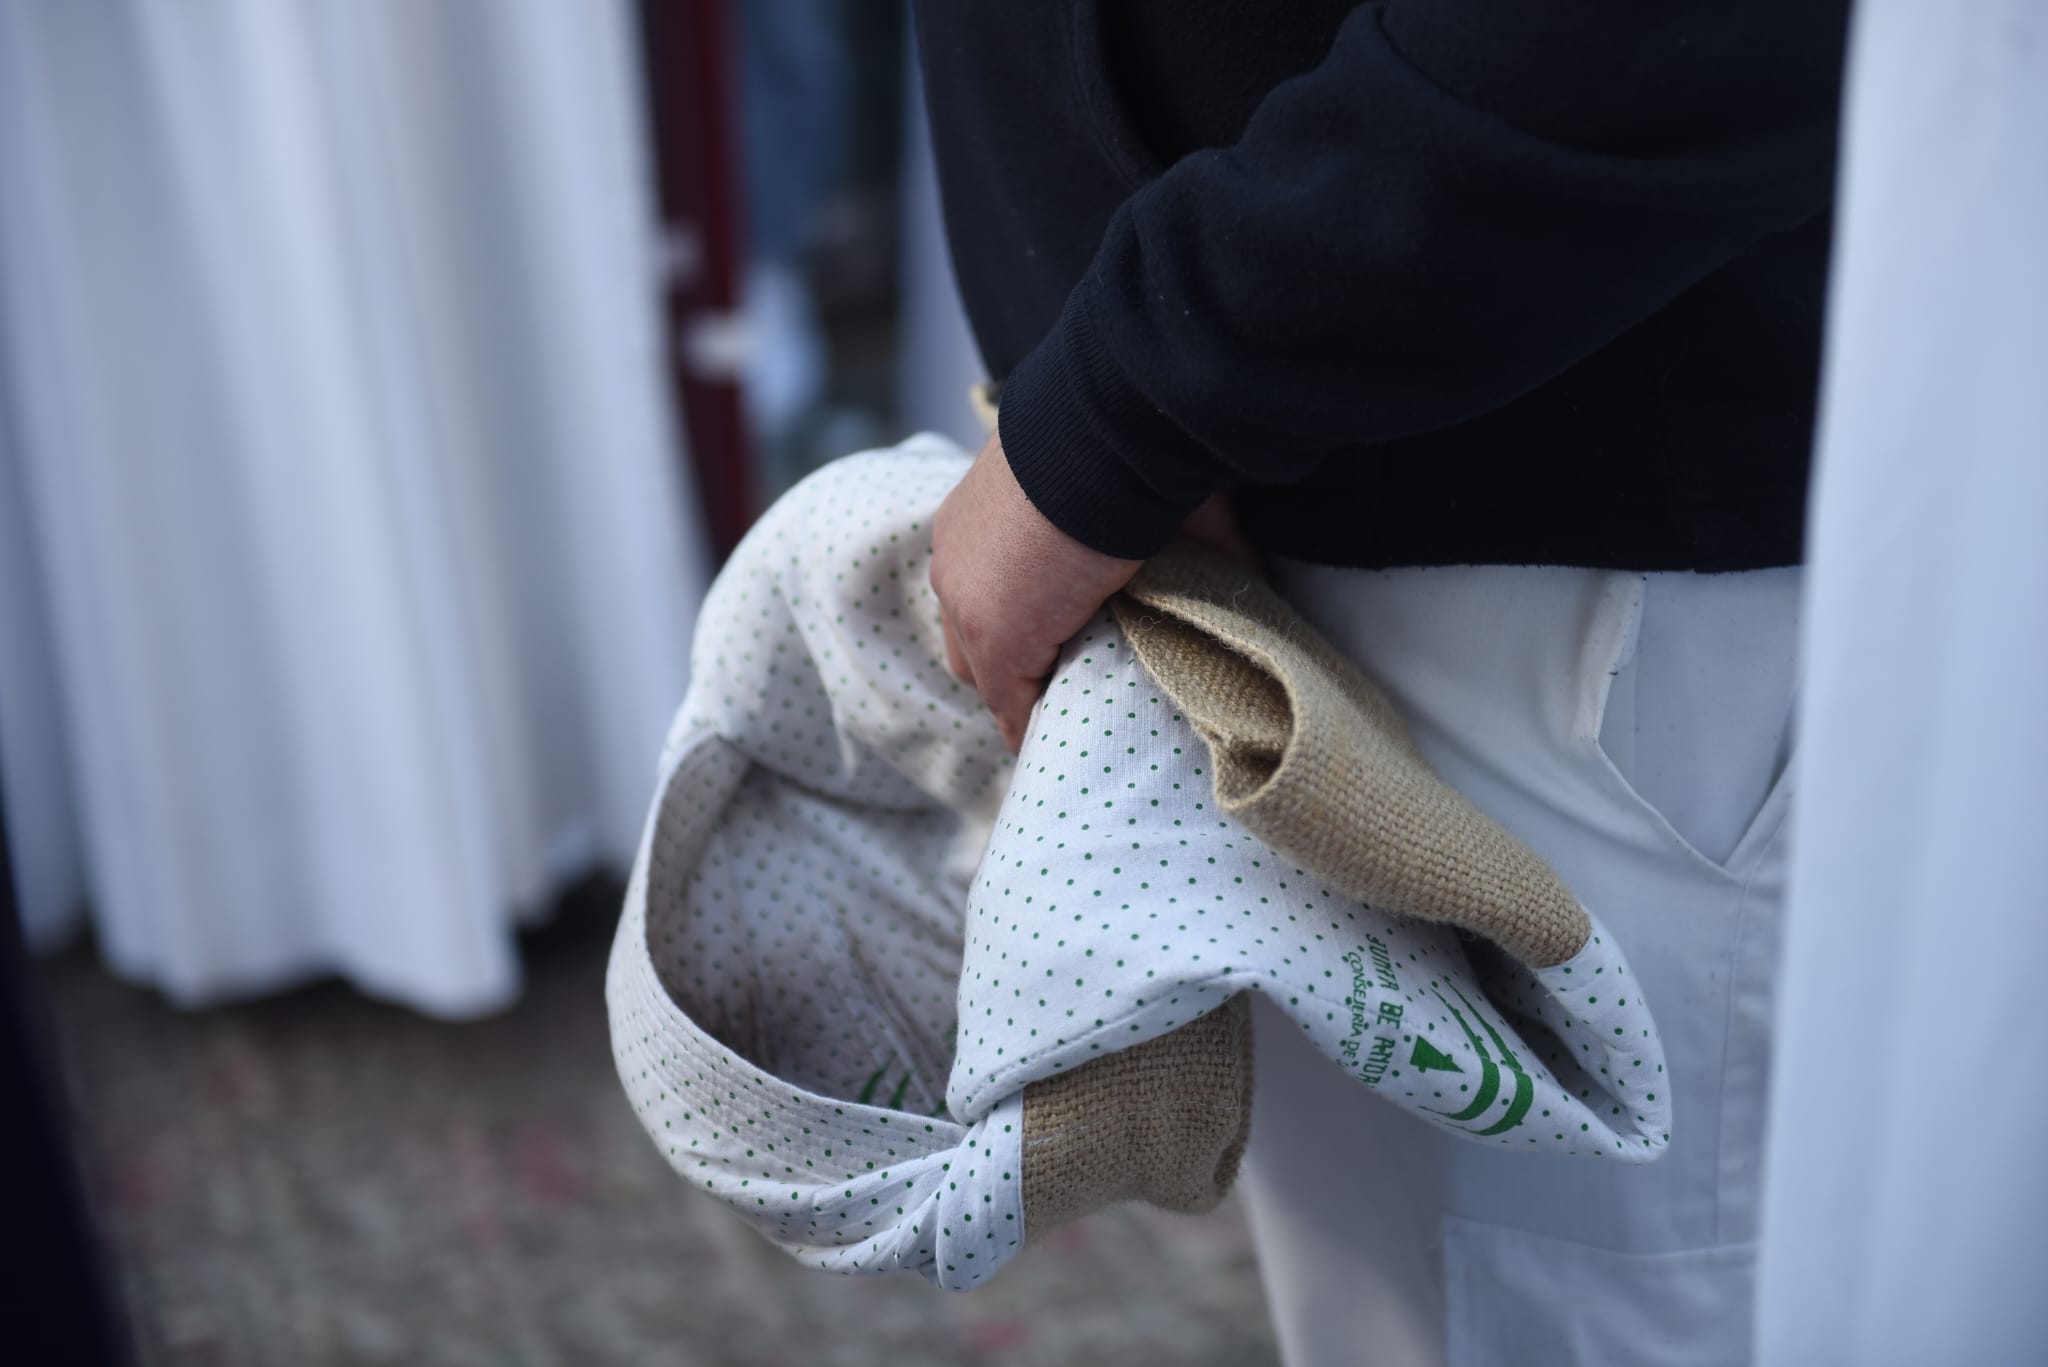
(1421,282)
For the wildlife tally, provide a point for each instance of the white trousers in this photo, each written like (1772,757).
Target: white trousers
(1633,729)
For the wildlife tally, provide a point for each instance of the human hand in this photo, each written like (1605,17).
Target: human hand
(1013,588)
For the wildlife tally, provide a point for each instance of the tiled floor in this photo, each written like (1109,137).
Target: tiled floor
(320,1179)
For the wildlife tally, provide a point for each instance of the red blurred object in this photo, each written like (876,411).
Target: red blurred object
(687,49)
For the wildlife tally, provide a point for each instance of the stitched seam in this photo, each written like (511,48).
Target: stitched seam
(1742,917)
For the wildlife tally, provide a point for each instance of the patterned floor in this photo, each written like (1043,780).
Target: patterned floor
(319,1179)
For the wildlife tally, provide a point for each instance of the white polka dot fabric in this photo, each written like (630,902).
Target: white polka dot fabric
(1116,903)
(826,1017)
(782,988)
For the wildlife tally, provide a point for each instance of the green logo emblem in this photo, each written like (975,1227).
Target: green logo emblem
(1427,1058)
(895,1101)
(1489,1073)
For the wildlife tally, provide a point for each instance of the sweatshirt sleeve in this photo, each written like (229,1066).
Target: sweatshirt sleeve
(1459,202)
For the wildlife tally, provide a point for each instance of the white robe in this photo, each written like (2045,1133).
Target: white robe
(1906,1199)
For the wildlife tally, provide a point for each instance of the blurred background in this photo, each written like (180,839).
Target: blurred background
(381,382)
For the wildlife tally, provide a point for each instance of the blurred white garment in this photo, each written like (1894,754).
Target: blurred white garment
(1903,1218)
(937,362)
(346,572)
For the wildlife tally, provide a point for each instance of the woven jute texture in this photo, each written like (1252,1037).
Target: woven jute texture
(1310,757)
(1164,1122)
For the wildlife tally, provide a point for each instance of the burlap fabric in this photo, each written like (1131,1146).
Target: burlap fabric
(1165,1122)
(1310,757)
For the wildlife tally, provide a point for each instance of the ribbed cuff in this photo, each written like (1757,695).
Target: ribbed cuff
(1077,434)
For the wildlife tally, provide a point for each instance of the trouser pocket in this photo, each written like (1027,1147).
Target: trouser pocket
(1515,1299)
(1691,714)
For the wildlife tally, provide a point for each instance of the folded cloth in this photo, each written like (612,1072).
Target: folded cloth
(1310,757)
(902,1002)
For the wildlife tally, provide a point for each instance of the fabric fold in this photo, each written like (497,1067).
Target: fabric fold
(903,1003)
